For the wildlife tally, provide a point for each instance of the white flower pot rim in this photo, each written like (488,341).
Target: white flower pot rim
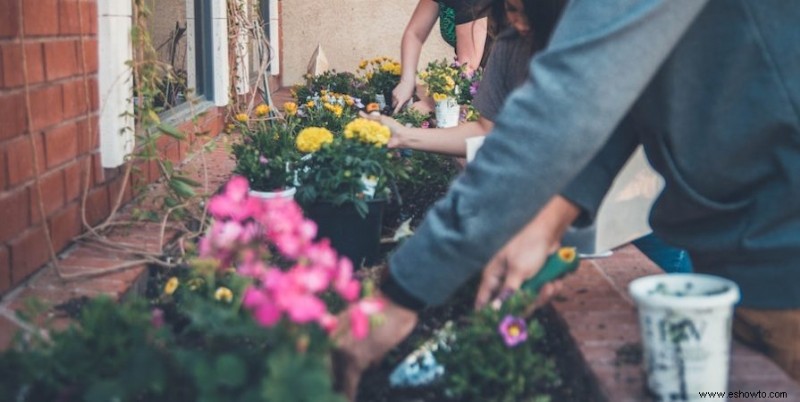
(288,192)
(725,293)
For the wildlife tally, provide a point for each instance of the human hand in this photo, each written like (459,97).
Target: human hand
(401,94)
(397,129)
(351,356)
(525,254)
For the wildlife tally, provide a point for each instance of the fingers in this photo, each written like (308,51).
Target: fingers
(491,281)
(548,291)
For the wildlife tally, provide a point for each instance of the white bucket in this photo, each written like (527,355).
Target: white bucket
(685,321)
(267,195)
(447,113)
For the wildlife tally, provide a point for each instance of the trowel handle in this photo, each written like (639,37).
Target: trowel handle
(558,264)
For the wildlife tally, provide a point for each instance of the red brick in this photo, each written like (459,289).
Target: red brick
(12,64)
(52,187)
(65,225)
(69,21)
(40,17)
(88,137)
(13,107)
(14,213)
(89,53)
(98,173)
(46,107)
(28,252)
(3,169)
(73,181)
(9,18)
(75,98)
(97,205)
(20,160)
(94,93)
(61,144)
(89,16)
(5,270)
(61,59)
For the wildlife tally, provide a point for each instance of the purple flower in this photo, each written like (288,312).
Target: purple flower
(473,88)
(425,124)
(358,103)
(513,330)
(263,160)
(157,318)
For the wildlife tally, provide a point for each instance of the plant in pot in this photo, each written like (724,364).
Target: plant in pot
(450,85)
(381,74)
(344,184)
(266,153)
(329,81)
(331,110)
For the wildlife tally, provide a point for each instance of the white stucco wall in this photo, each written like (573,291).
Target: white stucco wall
(348,31)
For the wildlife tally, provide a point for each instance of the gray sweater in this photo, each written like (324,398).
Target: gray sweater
(711,88)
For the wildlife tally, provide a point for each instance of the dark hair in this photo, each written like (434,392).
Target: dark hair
(542,15)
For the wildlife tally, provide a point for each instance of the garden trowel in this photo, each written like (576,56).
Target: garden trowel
(420,367)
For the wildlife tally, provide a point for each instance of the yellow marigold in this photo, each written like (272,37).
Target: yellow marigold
(262,110)
(242,117)
(363,64)
(310,103)
(439,97)
(348,100)
(323,92)
(290,108)
(223,294)
(338,110)
(369,75)
(449,83)
(367,131)
(171,286)
(311,139)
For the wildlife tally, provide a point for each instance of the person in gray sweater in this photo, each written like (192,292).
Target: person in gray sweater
(710,88)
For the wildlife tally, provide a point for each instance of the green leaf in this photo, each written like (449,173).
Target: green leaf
(182,189)
(171,131)
(230,370)
(187,180)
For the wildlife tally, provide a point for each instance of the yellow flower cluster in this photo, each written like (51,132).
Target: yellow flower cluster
(223,294)
(262,110)
(335,109)
(382,64)
(241,117)
(367,131)
(439,97)
(290,108)
(311,139)
(171,286)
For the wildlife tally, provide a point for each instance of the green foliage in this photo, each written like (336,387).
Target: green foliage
(330,81)
(348,171)
(183,346)
(481,367)
(266,153)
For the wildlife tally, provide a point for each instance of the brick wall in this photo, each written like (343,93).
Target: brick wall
(55,45)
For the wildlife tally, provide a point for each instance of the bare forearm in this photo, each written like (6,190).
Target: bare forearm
(448,141)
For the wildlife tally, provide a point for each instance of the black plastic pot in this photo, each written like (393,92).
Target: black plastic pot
(351,235)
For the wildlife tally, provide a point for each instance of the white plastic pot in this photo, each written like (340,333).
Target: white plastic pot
(685,321)
(447,112)
(288,193)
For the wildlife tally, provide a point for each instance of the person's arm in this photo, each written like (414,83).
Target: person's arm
(447,141)
(601,57)
(470,42)
(419,27)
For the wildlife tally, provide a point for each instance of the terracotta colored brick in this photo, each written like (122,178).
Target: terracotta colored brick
(65,225)
(28,253)
(40,17)
(3,169)
(20,159)
(94,93)
(89,15)
(88,137)
(12,64)
(14,213)
(87,53)
(69,21)
(97,205)
(61,144)
(76,98)
(73,181)
(13,107)
(9,18)
(5,270)
(61,59)
(98,172)
(46,107)
(52,187)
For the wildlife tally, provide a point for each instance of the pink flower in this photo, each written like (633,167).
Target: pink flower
(157,318)
(265,312)
(329,322)
(344,283)
(513,330)
(230,204)
(306,308)
(359,323)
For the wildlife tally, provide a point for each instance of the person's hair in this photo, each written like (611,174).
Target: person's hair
(542,15)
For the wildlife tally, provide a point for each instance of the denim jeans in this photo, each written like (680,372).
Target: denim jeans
(670,259)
